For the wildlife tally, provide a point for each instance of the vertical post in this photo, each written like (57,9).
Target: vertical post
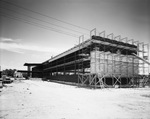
(93,31)
(112,81)
(143,57)
(102,34)
(141,54)
(75,64)
(0,72)
(90,76)
(64,66)
(124,39)
(50,72)
(79,61)
(117,37)
(56,67)
(29,71)
(83,54)
(136,63)
(80,64)
(111,36)
(95,60)
(131,41)
(148,59)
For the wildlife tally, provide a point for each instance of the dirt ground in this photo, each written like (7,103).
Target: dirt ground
(31,99)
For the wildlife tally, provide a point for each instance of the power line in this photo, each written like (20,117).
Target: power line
(43,21)
(38,25)
(44,15)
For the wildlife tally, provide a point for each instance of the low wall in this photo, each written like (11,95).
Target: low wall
(67,78)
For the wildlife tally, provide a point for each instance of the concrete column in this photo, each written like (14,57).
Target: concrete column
(29,69)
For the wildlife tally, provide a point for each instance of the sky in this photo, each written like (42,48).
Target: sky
(31,31)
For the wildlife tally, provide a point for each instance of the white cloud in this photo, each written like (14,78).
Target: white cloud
(13,46)
(6,40)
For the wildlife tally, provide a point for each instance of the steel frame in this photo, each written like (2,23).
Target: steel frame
(98,80)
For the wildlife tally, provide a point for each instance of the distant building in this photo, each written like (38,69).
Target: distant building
(18,74)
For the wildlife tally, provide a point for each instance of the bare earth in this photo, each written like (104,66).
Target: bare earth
(30,99)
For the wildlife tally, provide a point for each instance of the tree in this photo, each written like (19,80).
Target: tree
(8,72)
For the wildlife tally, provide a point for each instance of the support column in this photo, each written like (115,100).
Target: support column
(64,66)
(112,81)
(75,65)
(29,71)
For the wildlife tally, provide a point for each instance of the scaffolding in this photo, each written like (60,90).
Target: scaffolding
(100,61)
(115,62)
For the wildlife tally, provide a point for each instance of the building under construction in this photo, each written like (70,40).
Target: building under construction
(100,61)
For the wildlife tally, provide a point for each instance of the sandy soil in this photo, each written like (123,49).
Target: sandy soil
(30,99)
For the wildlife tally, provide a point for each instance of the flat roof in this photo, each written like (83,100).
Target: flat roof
(25,71)
(32,64)
(71,50)
(85,44)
